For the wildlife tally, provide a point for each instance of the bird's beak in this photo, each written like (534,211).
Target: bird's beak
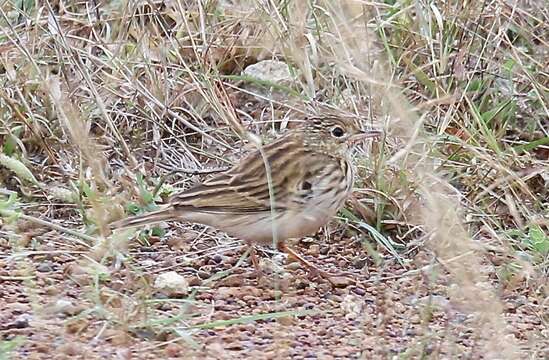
(364,134)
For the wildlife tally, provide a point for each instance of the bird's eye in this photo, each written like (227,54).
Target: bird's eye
(338,132)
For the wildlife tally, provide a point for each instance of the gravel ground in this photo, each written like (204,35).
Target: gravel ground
(375,312)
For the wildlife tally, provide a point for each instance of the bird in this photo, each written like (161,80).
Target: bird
(286,189)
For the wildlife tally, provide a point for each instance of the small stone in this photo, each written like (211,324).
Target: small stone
(21,322)
(70,349)
(18,308)
(359,263)
(227,292)
(264,282)
(203,274)
(217,258)
(148,263)
(51,290)
(178,243)
(293,265)
(223,315)
(194,281)
(119,338)
(415,319)
(325,249)
(314,250)
(341,281)
(286,320)
(42,348)
(232,281)
(44,267)
(235,345)
(174,350)
(436,301)
(359,291)
(153,240)
(65,307)
(352,306)
(124,354)
(270,70)
(172,284)
(77,326)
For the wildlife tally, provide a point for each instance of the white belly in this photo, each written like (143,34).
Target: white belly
(258,227)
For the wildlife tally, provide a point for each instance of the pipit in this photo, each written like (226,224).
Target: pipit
(310,178)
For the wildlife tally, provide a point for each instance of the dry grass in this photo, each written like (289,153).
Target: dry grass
(102,105)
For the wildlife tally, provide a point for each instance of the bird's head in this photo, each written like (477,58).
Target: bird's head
(336,135)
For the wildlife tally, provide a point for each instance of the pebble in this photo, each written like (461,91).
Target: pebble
(341,281)
(74,327)
(70,349)
(173,350)
(231,281)
(21,322)
(286,320)
(194,281)
(19,308)
(314,250)
(203,274)
(45,267)
(359,263)
(65,307)
(359,291)
(171,283)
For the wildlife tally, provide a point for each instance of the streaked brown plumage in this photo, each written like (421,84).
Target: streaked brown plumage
(311,177)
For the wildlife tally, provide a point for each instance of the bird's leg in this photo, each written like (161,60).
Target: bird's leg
(291,252)
(255,262)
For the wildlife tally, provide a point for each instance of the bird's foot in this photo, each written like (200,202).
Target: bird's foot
(255,261)
(334,279)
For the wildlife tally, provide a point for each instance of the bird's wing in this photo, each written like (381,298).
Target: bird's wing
(244,188)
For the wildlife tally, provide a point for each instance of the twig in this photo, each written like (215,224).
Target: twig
(53,226)
(201,171)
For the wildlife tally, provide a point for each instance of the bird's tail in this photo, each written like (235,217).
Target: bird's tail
(163,214)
